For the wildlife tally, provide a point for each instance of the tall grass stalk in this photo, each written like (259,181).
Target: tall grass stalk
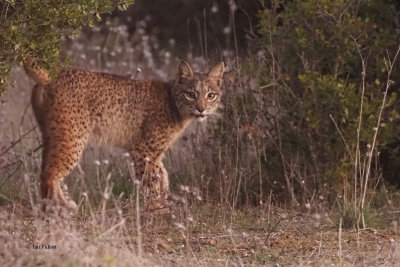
(362,166)
(389,83)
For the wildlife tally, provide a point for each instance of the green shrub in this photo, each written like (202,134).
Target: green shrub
(35,28)
(312,53)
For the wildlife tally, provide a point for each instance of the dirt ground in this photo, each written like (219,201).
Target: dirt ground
(202,235)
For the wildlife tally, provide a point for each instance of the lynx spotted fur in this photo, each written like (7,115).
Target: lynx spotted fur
(143,117)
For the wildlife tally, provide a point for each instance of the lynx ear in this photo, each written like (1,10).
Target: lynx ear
(217,73)
(184,70)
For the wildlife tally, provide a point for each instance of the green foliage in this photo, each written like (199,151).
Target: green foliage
(34,27)
(350,218)
(122,186)
(311,51)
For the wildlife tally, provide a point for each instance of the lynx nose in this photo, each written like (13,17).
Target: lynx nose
(200,109)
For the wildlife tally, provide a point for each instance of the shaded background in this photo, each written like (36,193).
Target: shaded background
(199,27)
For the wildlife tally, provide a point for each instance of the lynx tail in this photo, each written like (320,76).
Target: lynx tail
(39,75)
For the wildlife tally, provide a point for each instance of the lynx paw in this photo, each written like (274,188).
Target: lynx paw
(71,205)
(50,206)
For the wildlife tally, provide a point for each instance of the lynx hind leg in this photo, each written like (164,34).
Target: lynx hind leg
(60,155)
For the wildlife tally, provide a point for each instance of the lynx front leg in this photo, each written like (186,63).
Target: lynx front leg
(159,186)
(151,171)
(164,182)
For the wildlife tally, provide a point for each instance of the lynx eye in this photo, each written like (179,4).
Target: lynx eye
(211,96)
(190,95)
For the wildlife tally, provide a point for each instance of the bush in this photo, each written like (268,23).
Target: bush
(312,53)
(30,28)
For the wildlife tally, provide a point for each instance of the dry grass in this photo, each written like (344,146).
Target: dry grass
(28,240)
(213,236)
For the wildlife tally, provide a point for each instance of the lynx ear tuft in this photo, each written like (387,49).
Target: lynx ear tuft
(184,70)
(217,73)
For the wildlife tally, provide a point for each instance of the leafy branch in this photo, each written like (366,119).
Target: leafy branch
(34,28)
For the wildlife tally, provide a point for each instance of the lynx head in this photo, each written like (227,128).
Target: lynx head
(198,95)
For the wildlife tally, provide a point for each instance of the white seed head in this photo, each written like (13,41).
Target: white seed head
(317,216)
(214,8)
(180,226)
(185,188)
(227,30)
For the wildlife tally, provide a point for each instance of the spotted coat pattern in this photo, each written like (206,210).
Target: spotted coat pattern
(143,117)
